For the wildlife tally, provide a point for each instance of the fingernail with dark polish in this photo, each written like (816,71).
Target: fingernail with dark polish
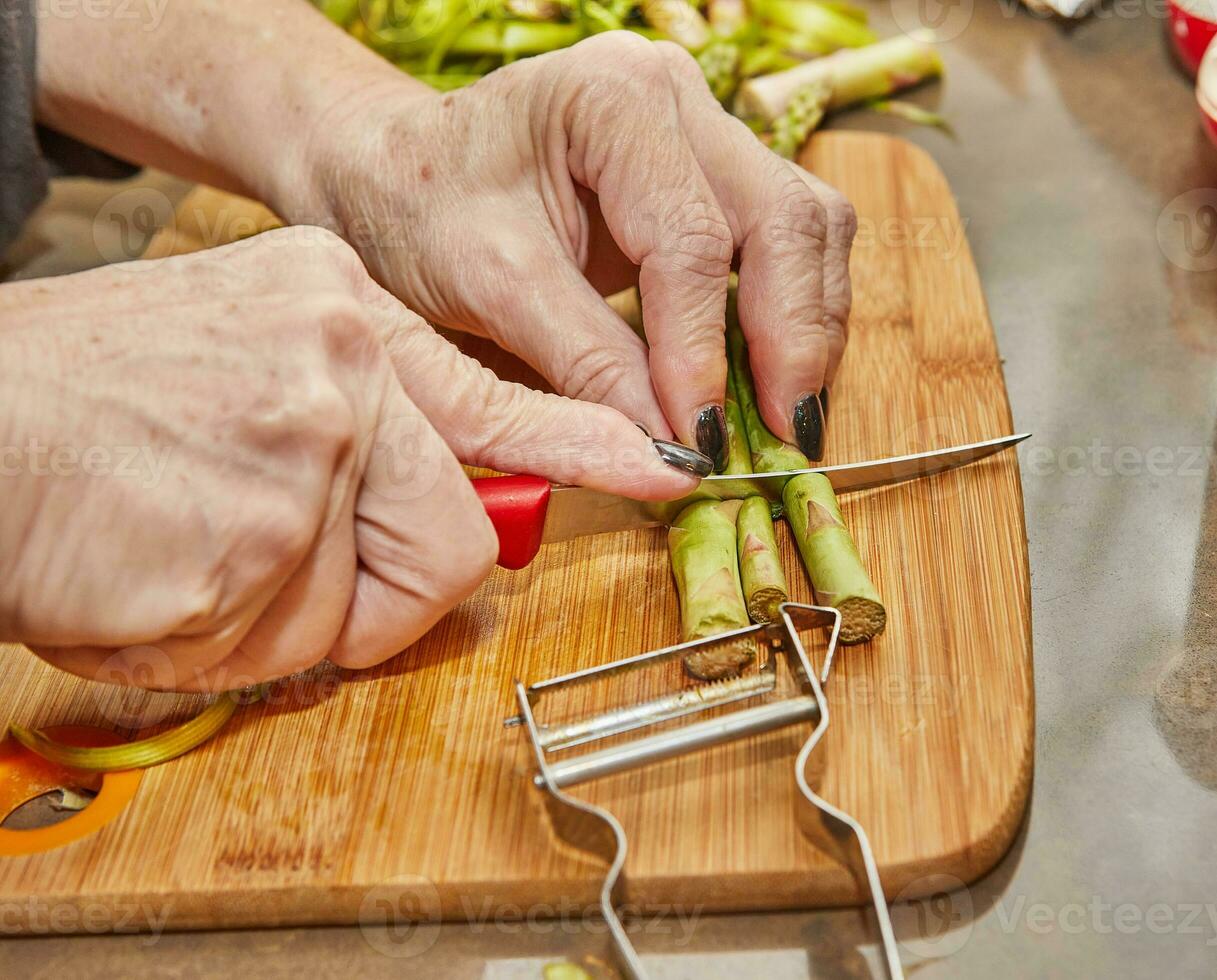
(824,401)
(809,427)
(683,458)
(711,431)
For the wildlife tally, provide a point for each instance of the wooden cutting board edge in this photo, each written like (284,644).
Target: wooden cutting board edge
(230,907)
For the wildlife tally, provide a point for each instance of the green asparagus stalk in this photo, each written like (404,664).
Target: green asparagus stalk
(816,20)
(679,20)
(760,564)
(855,76)
(831,557)
(513,37)
(341,12)
(727,16)
(824,542)
(769,453)
(913,113)
(739,456)
(703,547)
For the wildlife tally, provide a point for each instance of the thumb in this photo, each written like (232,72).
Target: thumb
(512,428)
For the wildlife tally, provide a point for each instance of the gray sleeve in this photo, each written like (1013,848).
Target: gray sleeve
(23,172)
(28,153)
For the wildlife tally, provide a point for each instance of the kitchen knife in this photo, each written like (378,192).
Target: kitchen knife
(527,511)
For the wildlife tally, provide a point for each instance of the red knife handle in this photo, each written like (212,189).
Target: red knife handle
(516,505)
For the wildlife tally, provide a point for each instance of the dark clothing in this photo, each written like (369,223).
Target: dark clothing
(28,154)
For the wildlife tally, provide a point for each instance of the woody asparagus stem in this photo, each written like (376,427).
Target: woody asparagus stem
(702,545)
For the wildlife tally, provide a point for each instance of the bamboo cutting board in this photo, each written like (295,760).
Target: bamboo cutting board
(351,788)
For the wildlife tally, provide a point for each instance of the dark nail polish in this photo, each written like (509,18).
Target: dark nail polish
(824,401)
(809,427)
(711,430)
(683,458)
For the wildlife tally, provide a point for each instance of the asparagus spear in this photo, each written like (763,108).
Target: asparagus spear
(760,564)
(816,20)
(832,558)
(769,453)
(679,20)
(824,542)
(854,75)
(702,545)
(739,456)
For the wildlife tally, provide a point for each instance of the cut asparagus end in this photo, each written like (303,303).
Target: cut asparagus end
(832,558)
(719,661)
(862,619)
(804,114)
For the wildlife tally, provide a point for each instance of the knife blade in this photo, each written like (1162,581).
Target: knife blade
(527,512)
(576,511)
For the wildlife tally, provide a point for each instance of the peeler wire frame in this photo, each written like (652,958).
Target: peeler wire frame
(595,830)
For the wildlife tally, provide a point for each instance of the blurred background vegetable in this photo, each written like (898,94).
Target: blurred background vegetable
(780,65)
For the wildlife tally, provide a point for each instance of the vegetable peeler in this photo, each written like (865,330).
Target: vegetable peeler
(781,689)
(527,511)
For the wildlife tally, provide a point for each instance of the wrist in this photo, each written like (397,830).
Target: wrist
(346,137)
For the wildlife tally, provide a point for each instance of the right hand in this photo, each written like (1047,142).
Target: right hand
(288,500)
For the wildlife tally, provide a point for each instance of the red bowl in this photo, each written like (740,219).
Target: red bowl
(1192,24)
(1206,91)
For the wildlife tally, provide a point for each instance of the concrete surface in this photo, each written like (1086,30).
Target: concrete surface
(1074,146)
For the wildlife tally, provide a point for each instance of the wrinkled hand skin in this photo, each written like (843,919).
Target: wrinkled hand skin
(509,208)
(214,471)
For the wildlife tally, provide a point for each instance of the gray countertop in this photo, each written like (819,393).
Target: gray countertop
(1075,144)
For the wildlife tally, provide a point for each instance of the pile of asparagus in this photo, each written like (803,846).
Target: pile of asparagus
(779,64)
(725,555)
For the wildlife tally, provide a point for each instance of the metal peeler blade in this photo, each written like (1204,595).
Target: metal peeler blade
(786,691)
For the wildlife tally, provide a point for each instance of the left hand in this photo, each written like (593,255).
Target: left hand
(510,207)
